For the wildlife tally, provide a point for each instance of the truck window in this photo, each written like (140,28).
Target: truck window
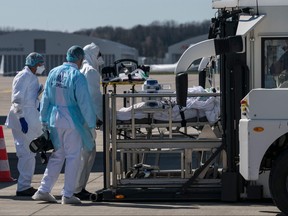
(275,62)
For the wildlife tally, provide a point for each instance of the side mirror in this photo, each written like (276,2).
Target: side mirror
(181,88)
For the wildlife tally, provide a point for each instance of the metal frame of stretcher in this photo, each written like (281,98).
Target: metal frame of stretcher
(142,139)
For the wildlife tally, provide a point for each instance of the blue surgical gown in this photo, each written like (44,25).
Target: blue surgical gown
(66,103)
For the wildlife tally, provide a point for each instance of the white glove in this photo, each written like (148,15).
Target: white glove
(17,109)
(44,126)
(41,89)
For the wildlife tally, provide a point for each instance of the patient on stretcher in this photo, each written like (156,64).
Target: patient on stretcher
(201,107)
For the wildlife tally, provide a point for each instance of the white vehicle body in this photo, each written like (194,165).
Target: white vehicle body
(263,121)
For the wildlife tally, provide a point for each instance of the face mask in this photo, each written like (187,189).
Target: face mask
(40,69)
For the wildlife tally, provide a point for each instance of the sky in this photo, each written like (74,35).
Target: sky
(73,15)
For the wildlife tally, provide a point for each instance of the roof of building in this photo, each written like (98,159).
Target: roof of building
(61,40)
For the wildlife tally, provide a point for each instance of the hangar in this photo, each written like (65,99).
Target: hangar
(15,46)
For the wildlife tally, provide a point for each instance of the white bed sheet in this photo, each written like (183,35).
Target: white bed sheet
(201,106)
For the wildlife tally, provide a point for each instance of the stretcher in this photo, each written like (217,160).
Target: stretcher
(153,125)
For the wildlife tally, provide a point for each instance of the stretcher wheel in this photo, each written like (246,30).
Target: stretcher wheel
(93,197)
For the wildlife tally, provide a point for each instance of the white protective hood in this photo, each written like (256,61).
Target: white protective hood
(91,53)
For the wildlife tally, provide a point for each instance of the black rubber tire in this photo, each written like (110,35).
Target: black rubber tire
(278,182)
(93,197)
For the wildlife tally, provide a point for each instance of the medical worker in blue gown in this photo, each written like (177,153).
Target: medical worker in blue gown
(66,109)
(23,119)
(90,69)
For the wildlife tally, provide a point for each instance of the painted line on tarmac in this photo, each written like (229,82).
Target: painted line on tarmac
(5,91)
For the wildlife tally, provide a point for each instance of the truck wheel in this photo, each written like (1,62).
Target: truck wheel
(278,182)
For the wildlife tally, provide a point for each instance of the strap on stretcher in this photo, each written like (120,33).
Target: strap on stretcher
(183,121)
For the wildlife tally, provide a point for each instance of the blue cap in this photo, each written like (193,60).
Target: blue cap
(33,59)
(74,53)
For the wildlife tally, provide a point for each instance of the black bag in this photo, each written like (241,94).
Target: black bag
(41,145)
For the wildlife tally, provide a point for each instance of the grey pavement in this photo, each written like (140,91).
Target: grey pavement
(12,205)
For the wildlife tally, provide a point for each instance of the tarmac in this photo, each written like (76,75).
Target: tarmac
(13,205)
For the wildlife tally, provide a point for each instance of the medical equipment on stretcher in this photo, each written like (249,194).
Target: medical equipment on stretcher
(151,86)
(125,70)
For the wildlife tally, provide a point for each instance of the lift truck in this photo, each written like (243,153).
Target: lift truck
(247,38)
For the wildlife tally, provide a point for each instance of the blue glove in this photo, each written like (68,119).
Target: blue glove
(24,125)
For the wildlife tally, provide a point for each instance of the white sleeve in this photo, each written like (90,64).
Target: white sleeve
(93,80)
(18,94)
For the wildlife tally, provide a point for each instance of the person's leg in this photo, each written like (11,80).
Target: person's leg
(54,166)
(90,164)
(26,161)
(51,174)
(52,171)
(87,162)
(72,147)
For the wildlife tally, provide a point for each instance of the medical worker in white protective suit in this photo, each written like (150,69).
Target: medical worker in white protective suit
(23,119)
(90,69)
(66,109)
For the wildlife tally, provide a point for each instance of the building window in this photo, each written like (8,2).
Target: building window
(40,45)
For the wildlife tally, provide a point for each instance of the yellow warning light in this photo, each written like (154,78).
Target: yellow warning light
(244,105)
(244,109)
(119,196)
(258,129)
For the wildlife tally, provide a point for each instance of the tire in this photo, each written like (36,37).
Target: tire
(93,197)
(278,182)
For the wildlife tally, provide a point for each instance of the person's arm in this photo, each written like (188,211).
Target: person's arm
(19,89)
(18,94)
(93,80)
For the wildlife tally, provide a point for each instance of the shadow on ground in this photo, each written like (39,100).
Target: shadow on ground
(40,168)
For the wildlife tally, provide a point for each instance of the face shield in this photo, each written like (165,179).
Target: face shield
(100,60)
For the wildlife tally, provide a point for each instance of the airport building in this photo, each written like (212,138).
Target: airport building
(14,47)
(176,50)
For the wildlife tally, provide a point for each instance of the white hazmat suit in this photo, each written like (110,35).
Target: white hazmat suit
(66,108)
(90,67)
(24,104)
